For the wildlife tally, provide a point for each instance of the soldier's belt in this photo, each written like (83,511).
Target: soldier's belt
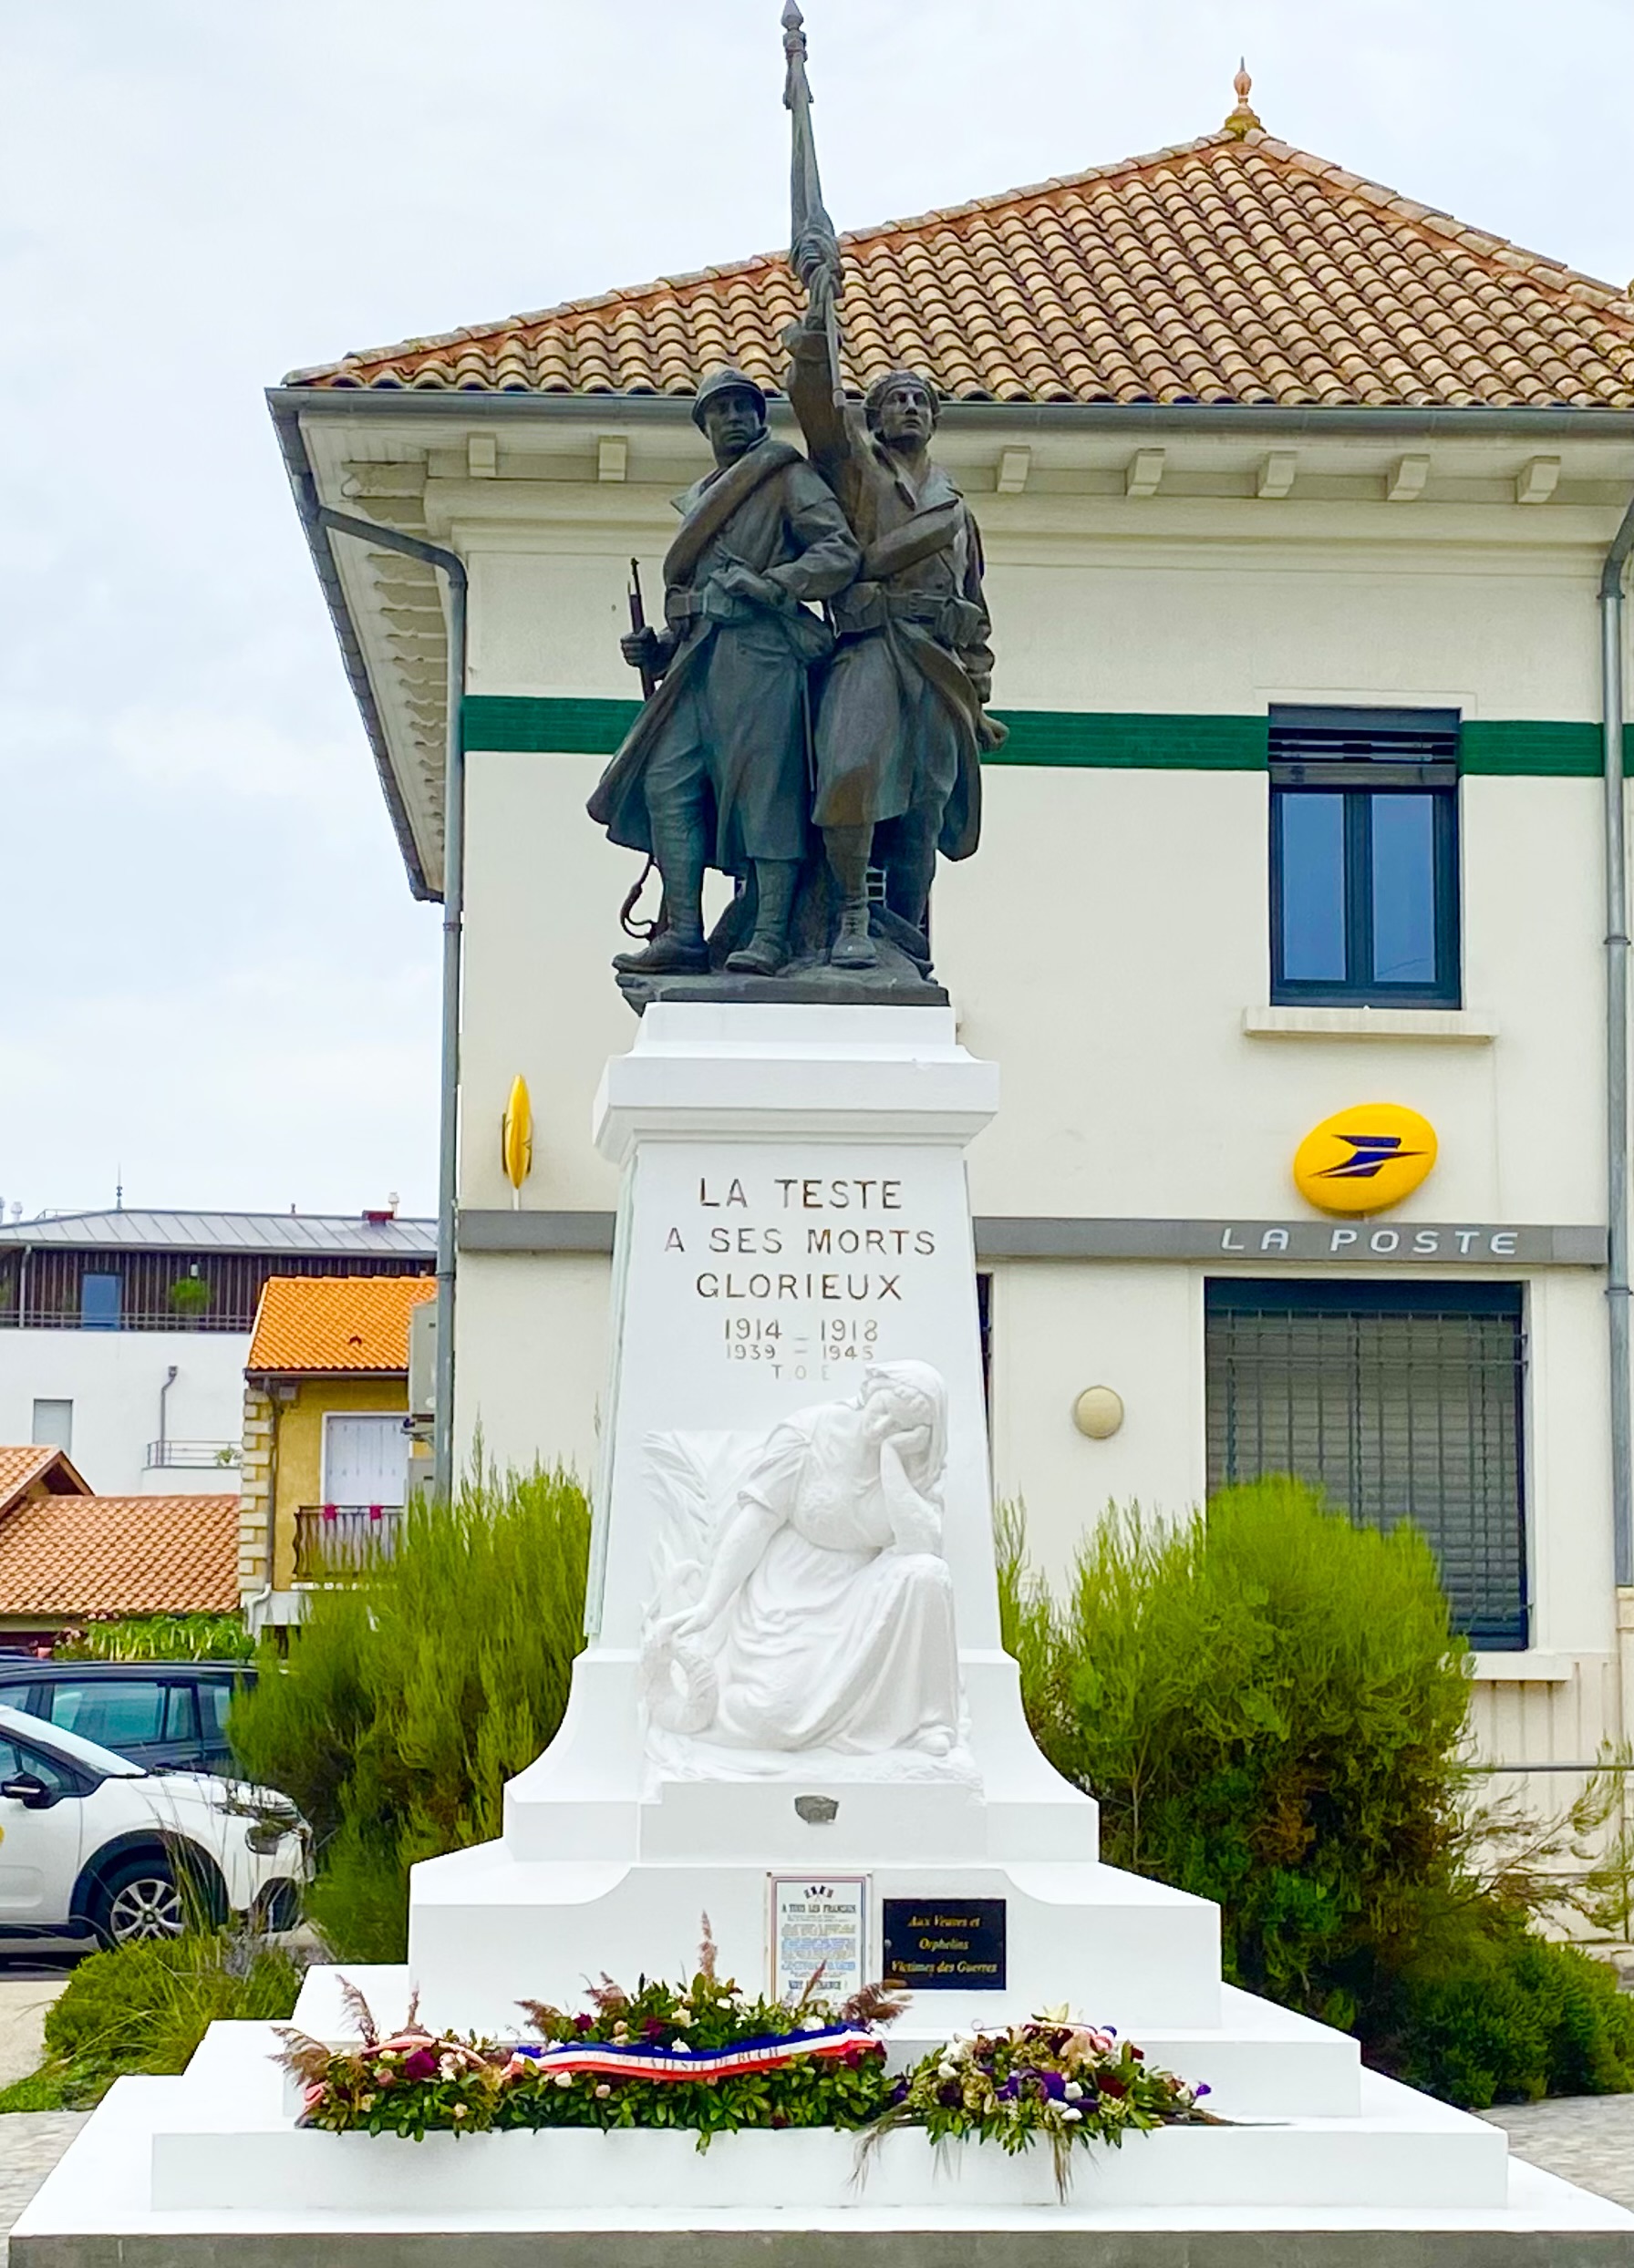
(870,605)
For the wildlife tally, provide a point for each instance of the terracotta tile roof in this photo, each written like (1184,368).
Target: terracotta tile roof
(32,1469)
(99,1555)
(323,1324)
(1230,269)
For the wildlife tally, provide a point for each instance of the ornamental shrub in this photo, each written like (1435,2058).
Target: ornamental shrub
(145,2007)
(411,1695)
(1270,1703)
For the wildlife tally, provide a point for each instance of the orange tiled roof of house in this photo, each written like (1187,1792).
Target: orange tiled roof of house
(325,1325)
(30,1469)
(77,1556)
(1233,269)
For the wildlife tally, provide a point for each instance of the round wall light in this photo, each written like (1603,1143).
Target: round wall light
(1098,1412)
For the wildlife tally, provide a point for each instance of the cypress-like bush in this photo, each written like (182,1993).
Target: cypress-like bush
(1270,1703)
(411,1695)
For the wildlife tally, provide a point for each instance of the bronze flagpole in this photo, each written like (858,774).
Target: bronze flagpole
(814,247)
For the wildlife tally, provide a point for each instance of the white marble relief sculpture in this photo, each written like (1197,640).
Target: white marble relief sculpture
(803,1609)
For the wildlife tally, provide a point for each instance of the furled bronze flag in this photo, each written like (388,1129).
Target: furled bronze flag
(814,247)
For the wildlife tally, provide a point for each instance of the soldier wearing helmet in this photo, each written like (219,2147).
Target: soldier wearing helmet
(714,771)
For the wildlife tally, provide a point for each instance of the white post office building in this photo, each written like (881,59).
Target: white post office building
(1306,508)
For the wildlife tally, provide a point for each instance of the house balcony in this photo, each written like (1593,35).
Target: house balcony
(191,1456)
(335,1541)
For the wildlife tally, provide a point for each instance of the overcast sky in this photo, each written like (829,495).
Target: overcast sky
(215,980)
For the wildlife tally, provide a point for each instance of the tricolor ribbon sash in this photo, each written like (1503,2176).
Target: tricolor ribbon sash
(643,2060)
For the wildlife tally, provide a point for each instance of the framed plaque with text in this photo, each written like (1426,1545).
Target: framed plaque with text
(944,1945)
(819,1922)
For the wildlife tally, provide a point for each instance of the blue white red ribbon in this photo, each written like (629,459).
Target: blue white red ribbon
(644,2059)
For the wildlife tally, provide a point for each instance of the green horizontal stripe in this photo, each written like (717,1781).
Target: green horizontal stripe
(1071,738)
(1543,750)
(1066,739)
(543,725)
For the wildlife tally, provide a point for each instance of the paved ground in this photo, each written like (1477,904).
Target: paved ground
(1585,2139)
(31,2142)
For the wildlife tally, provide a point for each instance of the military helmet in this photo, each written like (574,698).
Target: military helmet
(718,382)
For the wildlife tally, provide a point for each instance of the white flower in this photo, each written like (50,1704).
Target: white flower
(812,2024)
(1072,2090)
(1070,2118)
(946,2070)
(366,2102)
(565,2078)
(603,2091)
(447,2065)
(461,2111)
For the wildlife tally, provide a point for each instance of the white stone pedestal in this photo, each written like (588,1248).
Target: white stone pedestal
(801,1168)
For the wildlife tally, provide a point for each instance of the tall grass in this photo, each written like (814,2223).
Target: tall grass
(145,2008)
(412,1695)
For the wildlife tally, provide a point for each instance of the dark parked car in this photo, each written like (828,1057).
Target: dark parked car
(170,1717)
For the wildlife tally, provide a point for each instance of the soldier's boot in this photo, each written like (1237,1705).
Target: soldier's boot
(768,947)
(678,949)
(848,848)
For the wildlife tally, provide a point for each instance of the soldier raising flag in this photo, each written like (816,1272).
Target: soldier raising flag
(902,720)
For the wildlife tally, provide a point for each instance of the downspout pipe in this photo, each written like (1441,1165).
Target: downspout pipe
(450,565)
(1613,706)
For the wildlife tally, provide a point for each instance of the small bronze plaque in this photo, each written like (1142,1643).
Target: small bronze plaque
(945,1944)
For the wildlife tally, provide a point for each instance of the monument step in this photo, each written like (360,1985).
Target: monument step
(486,1927)
(209,2169)
(221,2141)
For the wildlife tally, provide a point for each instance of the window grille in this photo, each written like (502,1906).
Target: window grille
(1403,1401)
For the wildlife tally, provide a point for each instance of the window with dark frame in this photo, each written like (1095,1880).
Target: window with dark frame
(1364,857)
(1403,1401)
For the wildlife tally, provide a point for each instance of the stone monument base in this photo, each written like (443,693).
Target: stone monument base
(795,1228)
(209,2171)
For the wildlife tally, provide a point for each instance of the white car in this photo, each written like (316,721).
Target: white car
(93,1844)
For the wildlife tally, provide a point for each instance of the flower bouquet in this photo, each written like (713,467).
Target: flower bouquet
(1051,2077)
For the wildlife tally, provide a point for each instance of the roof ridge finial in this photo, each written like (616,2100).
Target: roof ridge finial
(1243,120)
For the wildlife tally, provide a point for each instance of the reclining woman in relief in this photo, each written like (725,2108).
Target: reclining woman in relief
(809,1608)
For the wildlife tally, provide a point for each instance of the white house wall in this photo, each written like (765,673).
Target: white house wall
(113,1380)
(1105,947)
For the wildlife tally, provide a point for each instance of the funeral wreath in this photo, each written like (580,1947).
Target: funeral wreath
(706,2057)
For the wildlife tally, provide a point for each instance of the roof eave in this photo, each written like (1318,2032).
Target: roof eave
(287,405)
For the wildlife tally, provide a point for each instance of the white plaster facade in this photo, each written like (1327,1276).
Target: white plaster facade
(1109,946)
(113,1380)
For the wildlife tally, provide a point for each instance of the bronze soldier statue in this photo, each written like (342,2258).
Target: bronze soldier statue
(901,719)
(714,771)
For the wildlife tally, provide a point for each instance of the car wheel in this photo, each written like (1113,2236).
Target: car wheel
(140,1899)
(279,1907)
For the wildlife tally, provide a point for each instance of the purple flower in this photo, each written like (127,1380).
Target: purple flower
(1203,2089)
(654,2027)
(951,2096)
(582,2024)
(1053,2085)
(420,2065)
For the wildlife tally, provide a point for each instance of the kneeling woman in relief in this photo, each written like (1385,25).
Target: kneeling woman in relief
(803,1606)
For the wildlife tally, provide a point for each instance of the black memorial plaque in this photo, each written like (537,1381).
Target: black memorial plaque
(945,1944)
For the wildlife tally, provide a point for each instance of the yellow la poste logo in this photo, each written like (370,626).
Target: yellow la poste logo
(1365,1160)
